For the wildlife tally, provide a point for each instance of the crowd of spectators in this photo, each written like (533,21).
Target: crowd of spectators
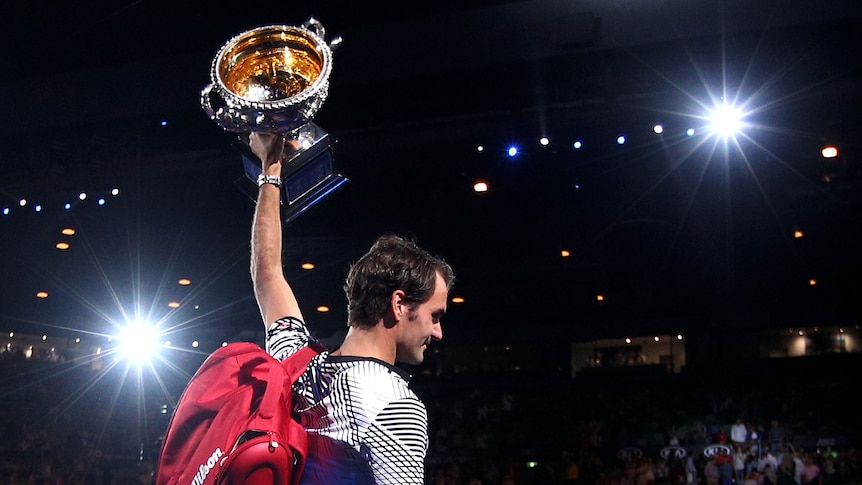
(612,426)
(67,424)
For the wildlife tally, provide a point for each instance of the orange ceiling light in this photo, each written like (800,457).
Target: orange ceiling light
(829,151)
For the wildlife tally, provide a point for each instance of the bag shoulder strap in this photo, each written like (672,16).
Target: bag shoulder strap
(296,364)
(286,372)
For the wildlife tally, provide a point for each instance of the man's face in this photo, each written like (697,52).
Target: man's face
(421,326)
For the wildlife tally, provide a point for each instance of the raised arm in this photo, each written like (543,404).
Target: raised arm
(274,296)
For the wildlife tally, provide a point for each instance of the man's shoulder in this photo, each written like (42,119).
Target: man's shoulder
(286,336)
(369,372)
(375,383)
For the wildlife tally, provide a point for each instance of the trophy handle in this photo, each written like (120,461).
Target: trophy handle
(313,25)
(206,101)
(316,27)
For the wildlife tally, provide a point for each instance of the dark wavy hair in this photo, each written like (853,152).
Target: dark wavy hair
(392,263)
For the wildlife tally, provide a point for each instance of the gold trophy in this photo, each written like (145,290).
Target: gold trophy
(274,79)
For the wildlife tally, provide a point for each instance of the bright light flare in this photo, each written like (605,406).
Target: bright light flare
(138,342)
(726,121)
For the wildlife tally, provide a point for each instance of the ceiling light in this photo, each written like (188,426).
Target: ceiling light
(829,151)
(68,231)
(480,186)
(62,245)
(307,266)
(323,308)
(725,120)
(184,282)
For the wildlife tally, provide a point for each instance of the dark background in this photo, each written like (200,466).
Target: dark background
(688,235)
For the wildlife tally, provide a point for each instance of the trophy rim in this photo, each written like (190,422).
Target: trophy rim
(321,83)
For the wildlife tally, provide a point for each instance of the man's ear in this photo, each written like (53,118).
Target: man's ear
(399,307)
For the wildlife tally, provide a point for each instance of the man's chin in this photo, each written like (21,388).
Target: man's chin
(418,358)
(415,358)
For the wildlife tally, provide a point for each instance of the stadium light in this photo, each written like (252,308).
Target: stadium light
(138,341)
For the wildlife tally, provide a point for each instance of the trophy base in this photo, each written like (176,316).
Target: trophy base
(308,175)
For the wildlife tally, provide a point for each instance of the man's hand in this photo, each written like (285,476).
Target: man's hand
(268,147)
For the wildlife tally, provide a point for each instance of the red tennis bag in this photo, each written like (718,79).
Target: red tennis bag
(233,424)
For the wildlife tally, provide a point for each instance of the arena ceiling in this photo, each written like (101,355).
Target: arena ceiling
(666,233)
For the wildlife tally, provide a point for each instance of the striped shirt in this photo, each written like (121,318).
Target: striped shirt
(365,424)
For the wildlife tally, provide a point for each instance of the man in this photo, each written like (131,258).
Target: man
(768,460)
(776,436)
(811,472)
(739,432)
(364,423)
(710,472)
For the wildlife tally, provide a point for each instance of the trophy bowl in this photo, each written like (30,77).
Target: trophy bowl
(271,79)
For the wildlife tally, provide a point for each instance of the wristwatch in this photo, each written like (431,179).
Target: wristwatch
(268,179)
